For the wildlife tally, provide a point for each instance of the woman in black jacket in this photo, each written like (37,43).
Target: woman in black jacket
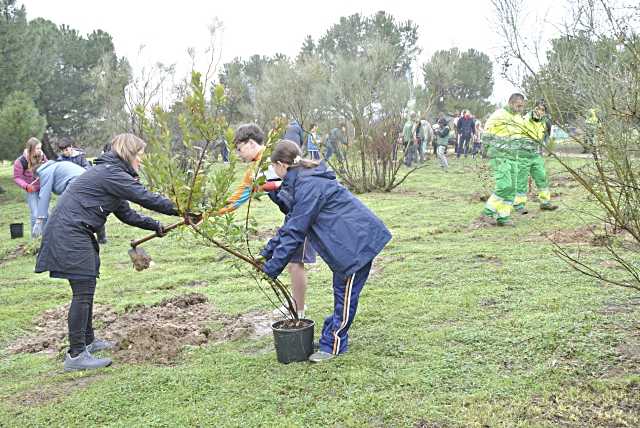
(69,249)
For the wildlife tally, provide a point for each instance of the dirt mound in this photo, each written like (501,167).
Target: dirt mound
(480,196)
(28,249)
(153,334)
(581,235)
(589,234)
(563,181)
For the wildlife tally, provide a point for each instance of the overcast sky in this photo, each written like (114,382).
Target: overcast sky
(168,29)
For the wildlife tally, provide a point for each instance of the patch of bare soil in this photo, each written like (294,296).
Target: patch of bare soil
(589,407)
(487,258)
(55,392)
(563,181)
(480,196)
(482,222)
(28,249)
(588,234)
(380,262)
(428,424)
(154,334)
(264,234)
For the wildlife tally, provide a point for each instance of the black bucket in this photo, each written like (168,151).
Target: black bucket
(17,230)
(293,345)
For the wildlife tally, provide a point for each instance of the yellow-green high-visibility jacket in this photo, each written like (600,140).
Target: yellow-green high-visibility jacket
(534,129)
(506,135)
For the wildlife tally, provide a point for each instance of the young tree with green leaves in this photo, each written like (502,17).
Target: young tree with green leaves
(200,189)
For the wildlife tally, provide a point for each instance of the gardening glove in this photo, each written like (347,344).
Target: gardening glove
(29,188)
(192,218)
(160,230)
(271,186)
(37,227)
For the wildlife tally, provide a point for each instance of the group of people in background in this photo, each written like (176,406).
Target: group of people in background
(419,137)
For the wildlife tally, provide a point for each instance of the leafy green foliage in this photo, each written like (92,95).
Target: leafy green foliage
(353,36)
(457,80)
(19,120)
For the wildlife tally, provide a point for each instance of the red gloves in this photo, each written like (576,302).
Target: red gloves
(271,186)
(30,188)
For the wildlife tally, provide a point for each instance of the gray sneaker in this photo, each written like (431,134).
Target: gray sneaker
(84,361)
(98,345)
(320,357)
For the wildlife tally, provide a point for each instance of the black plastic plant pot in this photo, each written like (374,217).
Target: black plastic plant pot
(294,343)
(16,230)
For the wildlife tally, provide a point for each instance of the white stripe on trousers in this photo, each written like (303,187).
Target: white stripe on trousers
(345,314)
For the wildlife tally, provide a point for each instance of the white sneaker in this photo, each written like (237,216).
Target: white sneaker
(283,311)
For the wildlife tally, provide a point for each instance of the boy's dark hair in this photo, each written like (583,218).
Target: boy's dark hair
(516,96)
(64,142)
(248,131)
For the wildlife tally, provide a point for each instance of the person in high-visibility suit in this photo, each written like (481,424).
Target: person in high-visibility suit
(531,163)
(503,137)
(591,126)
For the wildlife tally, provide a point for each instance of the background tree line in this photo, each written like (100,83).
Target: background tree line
(56,82)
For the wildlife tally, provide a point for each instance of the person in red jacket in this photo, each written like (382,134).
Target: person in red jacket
(24,174)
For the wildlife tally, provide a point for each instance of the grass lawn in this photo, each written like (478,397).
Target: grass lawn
(457,327)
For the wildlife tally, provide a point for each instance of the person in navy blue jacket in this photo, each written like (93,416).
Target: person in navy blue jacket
(71,154)
(346,234)
(294,133)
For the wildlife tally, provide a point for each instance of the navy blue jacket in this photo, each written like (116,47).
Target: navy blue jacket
(466,126)
(294,133)
(345,233)
(76,157)
(69,247)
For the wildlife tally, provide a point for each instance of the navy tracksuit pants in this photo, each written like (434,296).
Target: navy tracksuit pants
(346,292)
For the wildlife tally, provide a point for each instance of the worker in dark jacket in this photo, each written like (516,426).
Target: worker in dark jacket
(69,249)
(294,133)
(346,234)
(466,131)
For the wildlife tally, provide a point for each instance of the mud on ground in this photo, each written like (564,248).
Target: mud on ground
(150,334)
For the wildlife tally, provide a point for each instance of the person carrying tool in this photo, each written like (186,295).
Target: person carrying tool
(69,249)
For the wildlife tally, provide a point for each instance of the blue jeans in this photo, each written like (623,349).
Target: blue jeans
(32,201)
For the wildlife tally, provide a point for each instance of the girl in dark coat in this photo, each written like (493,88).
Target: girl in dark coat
(69,249)
(346,234)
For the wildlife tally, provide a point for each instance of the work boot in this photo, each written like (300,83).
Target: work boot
(99,345)
(84,361)
(548,207)
(486,219)
(320,357)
